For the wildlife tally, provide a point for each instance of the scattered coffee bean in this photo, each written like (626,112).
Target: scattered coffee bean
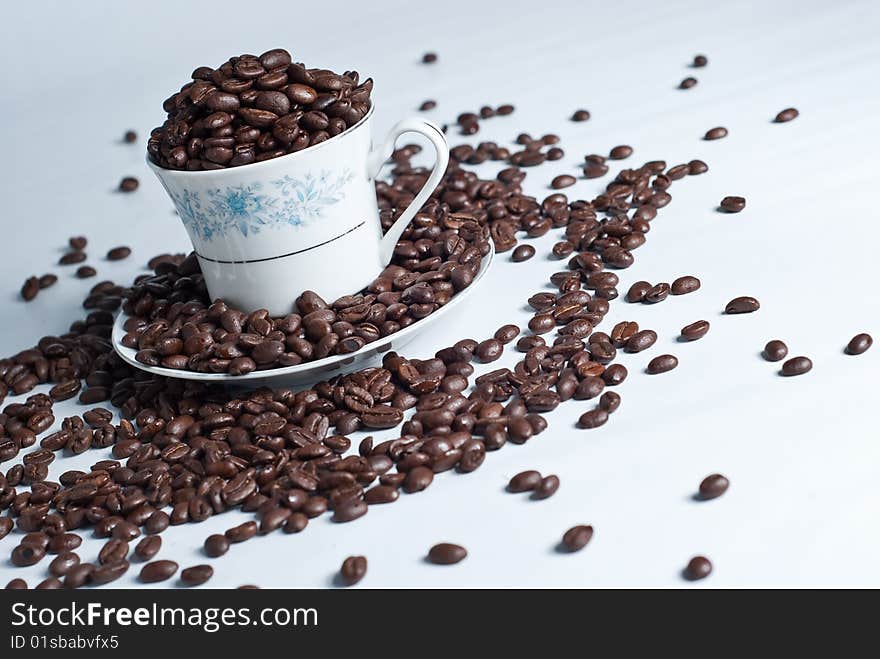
(696,167)
(16,584)
(577,537)
(158,571)
(429,58)
(506,333)
(148,547)
(700,61)
(242,532)
(525,481)
(30,289)
(216,545)
(352,509)
(48,280)
(580,115)
(656,293)
(694,331)
(196,575)
(713,486)
(609,401)
(637,291)
(796,366)
(775,351)
(446,553)
(641,340)
(732,204)
(563,181)
(118,253)
(786,115)
(697,568)
(71,258)
(661,364)
(85,271)
(128,184)
(621,152)
(743,304)
(130,137)
(428,105)
(522,253)
(593,419)
(104,574)
(685,285)
(859,343)
(547,487)
(687,83)
(715,133)
(353,569)
(78,242)
(595,170)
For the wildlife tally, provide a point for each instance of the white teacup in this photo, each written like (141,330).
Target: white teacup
(268,231)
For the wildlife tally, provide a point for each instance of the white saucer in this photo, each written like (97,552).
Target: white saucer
(311,371)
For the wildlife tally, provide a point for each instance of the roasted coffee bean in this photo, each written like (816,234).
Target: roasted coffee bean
(85,271)
(547,487)
(27,554)
(696,167)
(196,575)
(590,387)
(775,351)
(685,285)
(418,479)
(6,526)
(242,532)
(542,323)
(148,547)
(641,340)
(30,288)
(614,375)
(744,304)
(620,152)
(113,551)
(428,105)
(216,545)
(595,170)
(786,115)
(429,58)
(350,510)
(48,280)
(72,258)
(50,583)
(609,401)
(353,570)
(580,115)
(505,109)
(506,333)
(157,522)
(130,137)
(656,293)
(796,366)
(446,553)
(522,253)
(563,181)
(78,575)
(713,486)
(577,537)
(699,567)
(696,330)
(859,343)
(637,291)
(593,419)
(661,364)
(732,204)
(63,563)
(156,571)
(489,350)
(687,83)
(118,253)
(715,133)
(109,572)
(700,61)
(128,184)
(525,481)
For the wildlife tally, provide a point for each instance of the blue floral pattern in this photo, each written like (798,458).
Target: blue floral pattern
(250,209)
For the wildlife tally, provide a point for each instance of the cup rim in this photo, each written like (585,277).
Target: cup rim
(251,166)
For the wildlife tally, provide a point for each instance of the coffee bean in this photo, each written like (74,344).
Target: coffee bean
(148,547)
(157,571)
(506,333)
(577,537)
(418,479)
(353,570)
(563,181)
(637,291)
(713,486)
(50,583)
(796,366)
(700,61)
(715,133)
(429,58)
(542,323)
(196,575)
(547,487)
(63,563)
(641,340)
(732,204)
(656,293)
(593,419)
(71,258)
(85,271)
(609,401)
(428,105)
(242,532)
(525,481)
(580,115)
(446,553)
(128,184)
(696,330)
(30,288)
(684,285)
(786,115)
(522,253)
(352,509)
(78,242)
(113,551)
(216,545)
(109,572)
(505,109)
(25,555)
(16,584)
(47,280)
(79,575)
(489,350)
(661,364)
(621,152)
(687,83)
(614,375)
(696,167)
(744,304)
(118,253)
(595,170)
(859,343)
(130,137)
(775,351)
(697,568)
(381,494)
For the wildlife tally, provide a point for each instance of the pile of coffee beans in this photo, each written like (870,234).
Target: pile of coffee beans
(252,108)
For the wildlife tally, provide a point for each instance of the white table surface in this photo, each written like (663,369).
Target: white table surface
(802,454)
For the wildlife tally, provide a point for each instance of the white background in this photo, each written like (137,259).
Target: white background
(802,454)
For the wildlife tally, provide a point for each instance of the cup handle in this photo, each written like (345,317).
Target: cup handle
(380,155)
